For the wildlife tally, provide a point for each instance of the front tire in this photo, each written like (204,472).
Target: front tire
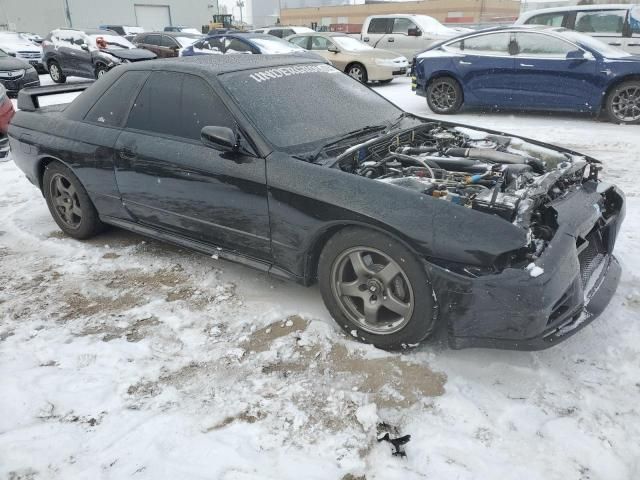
(101,70)
(376,289)
(623,103)
(69,203)
(357,71)
(55,72)
(444,96)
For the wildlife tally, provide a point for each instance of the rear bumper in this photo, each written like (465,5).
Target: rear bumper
(513,310)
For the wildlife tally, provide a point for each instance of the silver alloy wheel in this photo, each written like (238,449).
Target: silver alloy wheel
(65,200)
(54,71)
(372,290)
(625,104)
(443,96)
(356,72)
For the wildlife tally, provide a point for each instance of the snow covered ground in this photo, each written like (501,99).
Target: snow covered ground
(122,357)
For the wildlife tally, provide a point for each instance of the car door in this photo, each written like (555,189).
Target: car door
(169,47)
(400,41)
(485,66)
(632,41)
(376,31)
(320,45)
(151,43)
(63,44)
(83,55)
(547,76)
(170,180)
(606,25)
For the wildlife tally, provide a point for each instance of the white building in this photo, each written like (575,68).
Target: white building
(42,16)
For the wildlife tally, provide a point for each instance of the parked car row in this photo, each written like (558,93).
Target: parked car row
(533,68)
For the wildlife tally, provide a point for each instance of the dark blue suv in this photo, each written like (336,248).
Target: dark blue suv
(530,68)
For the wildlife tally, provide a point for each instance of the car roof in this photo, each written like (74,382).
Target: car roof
(320,34)
(575,8)
(242,35)
(219,64)
(173,34)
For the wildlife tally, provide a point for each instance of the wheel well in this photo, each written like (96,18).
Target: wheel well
(438,75)
(614,84)
(313,253)
(42,165)
(346,69)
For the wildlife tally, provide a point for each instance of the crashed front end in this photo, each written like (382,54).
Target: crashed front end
(562,274)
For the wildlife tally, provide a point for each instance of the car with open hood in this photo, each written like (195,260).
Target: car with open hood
(353,57)
(88,53)
(285,164)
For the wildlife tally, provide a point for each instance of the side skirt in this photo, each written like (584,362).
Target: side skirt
(201,247)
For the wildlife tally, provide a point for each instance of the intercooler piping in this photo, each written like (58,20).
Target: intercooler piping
(496,157)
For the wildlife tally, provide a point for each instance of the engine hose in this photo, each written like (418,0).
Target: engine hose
(497,157)
(414,161)
(417,150)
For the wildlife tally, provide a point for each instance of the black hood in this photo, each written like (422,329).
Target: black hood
(132,54)
(10,63)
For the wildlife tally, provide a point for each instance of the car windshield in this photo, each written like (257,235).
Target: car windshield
(275,45)
(599,46)
(111,42)
(328,104)
(431,25)
(350,43)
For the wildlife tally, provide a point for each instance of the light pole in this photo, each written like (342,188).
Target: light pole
(240,4)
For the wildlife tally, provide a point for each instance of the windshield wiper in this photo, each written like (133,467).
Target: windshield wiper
(369,128)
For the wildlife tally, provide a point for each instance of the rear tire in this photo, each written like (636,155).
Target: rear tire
(622,104)
(376,289)
(444,96)
(69,203)
(357,71)
(55,72)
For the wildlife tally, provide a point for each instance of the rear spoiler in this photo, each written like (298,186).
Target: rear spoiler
(28,97)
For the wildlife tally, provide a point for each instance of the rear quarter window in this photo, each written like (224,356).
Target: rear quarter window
(112,107)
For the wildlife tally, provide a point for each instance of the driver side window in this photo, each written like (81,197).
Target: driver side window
(320,43)
(403,25)
(543,46)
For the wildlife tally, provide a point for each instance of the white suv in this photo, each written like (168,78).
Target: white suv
(617,25)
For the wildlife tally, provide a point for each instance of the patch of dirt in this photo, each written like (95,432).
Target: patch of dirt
(261,340)
(79,305)
(110,256)
(135,332)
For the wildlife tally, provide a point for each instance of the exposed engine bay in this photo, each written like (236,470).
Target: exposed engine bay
(494,174)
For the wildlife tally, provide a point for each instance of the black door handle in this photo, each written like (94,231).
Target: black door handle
(127,154)
(615,44)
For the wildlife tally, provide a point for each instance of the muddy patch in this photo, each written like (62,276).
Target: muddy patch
(110,330)
(78,305)
(261,340)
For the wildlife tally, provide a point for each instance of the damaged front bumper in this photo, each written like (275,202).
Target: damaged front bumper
(513,309)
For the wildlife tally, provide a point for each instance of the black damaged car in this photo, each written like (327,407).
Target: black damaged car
(87,53)
(287,165)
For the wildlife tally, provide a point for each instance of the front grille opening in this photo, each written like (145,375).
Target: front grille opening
(592,252)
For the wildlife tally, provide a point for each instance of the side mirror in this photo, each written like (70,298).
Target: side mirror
(220,138)
(580,55)
(414,32)
(334,49)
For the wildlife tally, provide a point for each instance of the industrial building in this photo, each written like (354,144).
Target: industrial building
(447,11)
(42,16)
